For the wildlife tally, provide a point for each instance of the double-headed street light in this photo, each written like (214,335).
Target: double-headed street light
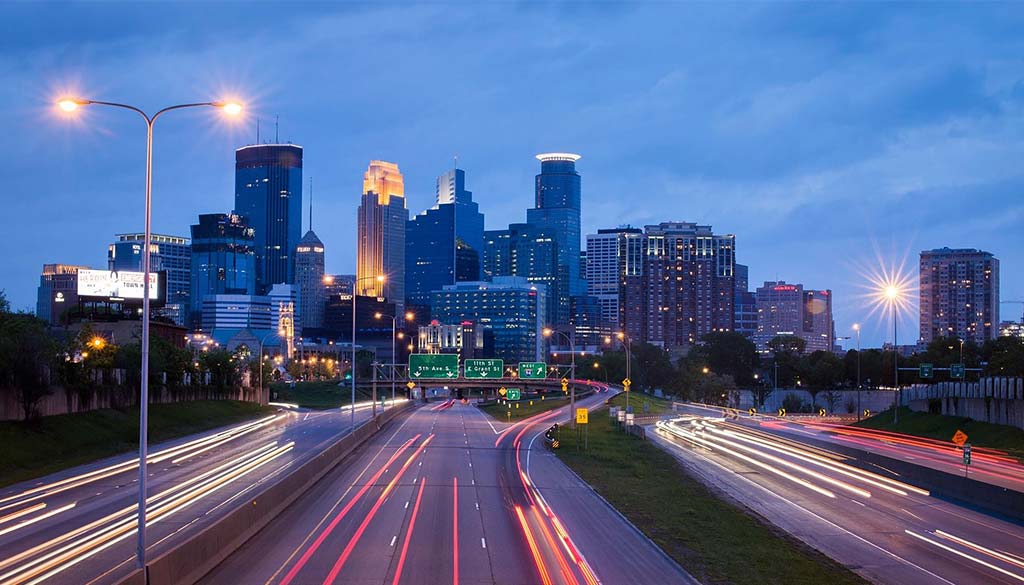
(70,104)
(380,278)
(409,316)
(856,327)
(548,332)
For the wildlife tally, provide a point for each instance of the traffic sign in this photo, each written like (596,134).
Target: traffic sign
(513,394)
(956,371)
(782,412)
(821,412)
(867,413)
(410,385)
(967,454)
(483,369)
(533,370)
(565,381)
(959,438)
(620,415)
(436,366)
(752,411)
(582,416)
(502,390)
(627,383)
(925,371)
(629,419)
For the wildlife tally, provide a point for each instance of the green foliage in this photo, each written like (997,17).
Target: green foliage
(27,353)
(727,353)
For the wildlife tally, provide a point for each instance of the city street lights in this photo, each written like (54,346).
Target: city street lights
(264,339)
(409,316)
(548,332)
(892,296)
(856,327)
(626,342)
(355,283)
(69,105)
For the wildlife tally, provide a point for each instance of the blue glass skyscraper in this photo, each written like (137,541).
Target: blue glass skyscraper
(444,243)
(557,212)
(223,259)
(268,193)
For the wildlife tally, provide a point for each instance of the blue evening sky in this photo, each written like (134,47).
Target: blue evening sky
(832,138)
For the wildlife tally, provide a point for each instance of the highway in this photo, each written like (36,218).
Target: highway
(887,531)
(79,525)
(448,495)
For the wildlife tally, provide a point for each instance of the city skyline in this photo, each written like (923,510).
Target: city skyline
(928,182)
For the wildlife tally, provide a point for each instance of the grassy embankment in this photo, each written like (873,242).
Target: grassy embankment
(36,448)
(714,539)
(937,426)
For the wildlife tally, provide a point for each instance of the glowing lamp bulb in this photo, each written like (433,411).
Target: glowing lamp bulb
(68,105)
(232,108)
(891,292)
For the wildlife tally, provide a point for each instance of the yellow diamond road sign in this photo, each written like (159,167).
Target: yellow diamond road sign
(627,382)
(502,391)
(565,381)
(410,385)
(960,438)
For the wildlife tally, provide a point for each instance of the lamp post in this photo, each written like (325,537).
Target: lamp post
(892,296)
(264,339)
(355,284)
(70,105)
(856,327)
(626,343)
(409,316)
(548,332)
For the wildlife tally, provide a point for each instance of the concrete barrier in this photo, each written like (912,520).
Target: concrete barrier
(190,560)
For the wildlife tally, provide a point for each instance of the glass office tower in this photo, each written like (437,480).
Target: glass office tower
(223,260)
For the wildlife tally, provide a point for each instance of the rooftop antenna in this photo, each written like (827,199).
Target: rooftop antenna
(455,165)
(257,130)
(311,204)
(277,119)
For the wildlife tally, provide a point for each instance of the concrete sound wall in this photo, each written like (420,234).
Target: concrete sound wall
(995,400)
(188,561)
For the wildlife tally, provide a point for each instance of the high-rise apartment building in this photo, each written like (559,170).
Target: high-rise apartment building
(509,308)
(309,276)
(612,254)
(788,309)
(959,295)
(57,292)
(268,193)
(171,254)
(443,244)
(223,260)
(529,252)
(745,304)
(380,245)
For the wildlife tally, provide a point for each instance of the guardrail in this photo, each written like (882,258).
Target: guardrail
(190,560)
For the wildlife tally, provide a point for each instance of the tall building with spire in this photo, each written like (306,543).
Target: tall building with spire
(309,274)
(268,193)
(380,245)
(444,244)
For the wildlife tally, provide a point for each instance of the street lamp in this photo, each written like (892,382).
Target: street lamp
(548,332)
(69,105)
(379,278)
(409,316)
(626,342)
(279,333)
(892,296)
(856,327)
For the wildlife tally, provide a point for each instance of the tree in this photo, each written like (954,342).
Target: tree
(728,353)
(786,350)
(787,344)
(223,368)
(1005,356)
(653,367)
(27,353)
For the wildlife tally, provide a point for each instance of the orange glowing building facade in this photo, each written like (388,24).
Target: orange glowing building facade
(381,234)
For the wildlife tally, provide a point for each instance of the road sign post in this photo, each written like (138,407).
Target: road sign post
(959,438)
(925,371)
(513,394)
(438,366)
(483,369)
(967,457)
(956,371)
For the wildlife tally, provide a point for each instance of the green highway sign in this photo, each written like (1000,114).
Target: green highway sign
(481,369)
(967,454)
(533,370)
(512,394)
(956,371)
(925,371)
(434,366)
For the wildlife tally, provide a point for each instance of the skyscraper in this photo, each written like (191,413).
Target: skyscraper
(687,286)
(780,311)
(58,291)
(268,193)
(172,254)
(530,252)
(745,304)
(380,246)
(959,291)
(611,255)
(223,260)
(557,199)
(819,331)
(309,276)
(443,244)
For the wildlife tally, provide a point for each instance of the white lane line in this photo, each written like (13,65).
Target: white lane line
(483,543)
(393,539)
(856,502)
(407,504)
(477,505)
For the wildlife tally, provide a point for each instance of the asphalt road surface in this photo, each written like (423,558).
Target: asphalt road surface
(887,531)
(448,495)
(79,526)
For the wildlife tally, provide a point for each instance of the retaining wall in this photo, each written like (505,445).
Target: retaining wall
(992,400)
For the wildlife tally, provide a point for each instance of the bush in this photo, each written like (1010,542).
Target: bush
(793,403)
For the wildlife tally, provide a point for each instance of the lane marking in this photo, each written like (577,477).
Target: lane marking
(393,539)
(483,543)
(408,533)
(455,530)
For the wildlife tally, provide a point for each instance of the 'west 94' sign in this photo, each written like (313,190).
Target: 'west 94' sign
(119,285)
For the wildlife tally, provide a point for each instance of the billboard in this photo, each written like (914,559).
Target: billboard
(119,285)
